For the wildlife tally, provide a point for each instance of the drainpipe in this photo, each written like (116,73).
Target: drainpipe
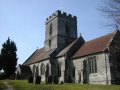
(106,67)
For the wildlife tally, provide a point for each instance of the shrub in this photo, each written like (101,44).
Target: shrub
(2,76)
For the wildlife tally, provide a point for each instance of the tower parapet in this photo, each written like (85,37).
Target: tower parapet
(64,15)
(61,30)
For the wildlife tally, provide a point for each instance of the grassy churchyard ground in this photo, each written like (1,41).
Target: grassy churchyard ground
(24,85)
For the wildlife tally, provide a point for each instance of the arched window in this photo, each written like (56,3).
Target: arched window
(79,74)
(42,69)
(37,71)
(51,29)
(47,69)
(92,64)
(34,67)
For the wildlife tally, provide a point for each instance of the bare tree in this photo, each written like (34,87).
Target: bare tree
(111,8)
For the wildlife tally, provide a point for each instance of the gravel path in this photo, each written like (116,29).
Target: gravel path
(8,86)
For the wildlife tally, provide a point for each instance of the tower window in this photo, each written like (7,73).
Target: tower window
(51,29)
(49,43)
(67,29)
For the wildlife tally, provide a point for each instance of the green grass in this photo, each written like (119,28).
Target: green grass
(2,85)
(24,85)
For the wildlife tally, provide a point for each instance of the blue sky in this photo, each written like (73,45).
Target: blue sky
(24,21)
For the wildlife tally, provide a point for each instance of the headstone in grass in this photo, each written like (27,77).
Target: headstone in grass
(61,82)
(38,80)
(30,79)
(55,80)
(49,80)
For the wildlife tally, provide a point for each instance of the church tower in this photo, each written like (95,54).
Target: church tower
(61,30)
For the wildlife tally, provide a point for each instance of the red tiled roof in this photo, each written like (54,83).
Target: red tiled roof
(94,46)
(37,56)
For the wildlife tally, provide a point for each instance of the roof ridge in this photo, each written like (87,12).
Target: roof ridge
(102,36)
(33,54)
(96,45)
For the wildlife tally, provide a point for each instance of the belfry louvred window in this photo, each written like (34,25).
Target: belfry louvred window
(51,29)
(49,43)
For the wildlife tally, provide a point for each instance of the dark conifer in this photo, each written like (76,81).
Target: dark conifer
(9,57)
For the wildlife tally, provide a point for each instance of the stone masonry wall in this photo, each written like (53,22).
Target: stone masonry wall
(103,70)
(61,61)
(39,66)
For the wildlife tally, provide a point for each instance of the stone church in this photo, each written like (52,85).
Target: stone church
(68,58)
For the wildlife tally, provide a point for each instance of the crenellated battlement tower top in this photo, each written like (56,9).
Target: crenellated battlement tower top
(61,30)
(64,15)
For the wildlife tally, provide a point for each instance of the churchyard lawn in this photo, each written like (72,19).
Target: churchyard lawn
(24,85)
(2,86)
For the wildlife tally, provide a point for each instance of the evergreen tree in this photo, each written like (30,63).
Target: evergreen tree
(9,57)
(0,62)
